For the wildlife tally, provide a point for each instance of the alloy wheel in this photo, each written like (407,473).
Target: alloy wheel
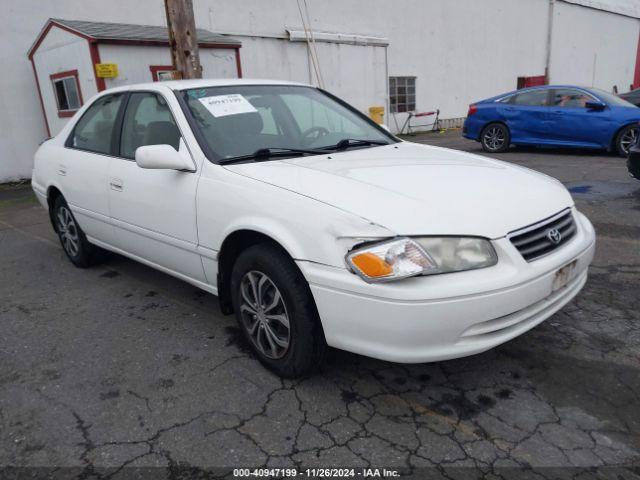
(264,314)
(494,138)
(628,139)
(68,231)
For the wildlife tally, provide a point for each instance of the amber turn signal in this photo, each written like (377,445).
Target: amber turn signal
(372,265)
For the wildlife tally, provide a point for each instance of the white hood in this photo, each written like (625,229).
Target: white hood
(414,189)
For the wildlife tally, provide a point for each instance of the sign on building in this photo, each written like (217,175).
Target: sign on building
(106,70)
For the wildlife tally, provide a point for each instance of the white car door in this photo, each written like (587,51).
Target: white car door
(83,169)
(154,211)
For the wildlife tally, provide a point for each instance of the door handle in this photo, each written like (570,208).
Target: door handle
(62,170)
(116,184)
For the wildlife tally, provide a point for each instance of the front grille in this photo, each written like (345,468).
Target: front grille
(534,241)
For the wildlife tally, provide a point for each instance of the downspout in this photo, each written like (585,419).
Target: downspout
(547,66)
(387,100)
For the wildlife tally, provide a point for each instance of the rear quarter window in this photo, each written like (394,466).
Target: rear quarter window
(533,98)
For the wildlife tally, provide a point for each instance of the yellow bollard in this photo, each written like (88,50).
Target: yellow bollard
(377,114)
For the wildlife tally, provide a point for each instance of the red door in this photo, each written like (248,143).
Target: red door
(636,77)
(524,82)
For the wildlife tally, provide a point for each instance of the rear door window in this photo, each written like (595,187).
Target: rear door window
(95,130)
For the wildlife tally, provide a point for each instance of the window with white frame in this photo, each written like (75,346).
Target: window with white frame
(67,92)
(402,94)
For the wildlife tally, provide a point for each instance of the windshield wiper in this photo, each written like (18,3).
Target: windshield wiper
(353,142)
(266,153)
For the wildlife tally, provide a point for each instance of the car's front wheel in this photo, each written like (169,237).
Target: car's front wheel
(625,139)
(495,138)
(276,311)
(74,242)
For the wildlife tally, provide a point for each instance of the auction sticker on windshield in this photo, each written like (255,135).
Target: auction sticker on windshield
(223,105)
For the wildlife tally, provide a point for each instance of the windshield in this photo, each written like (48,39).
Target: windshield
(612,99)
(242,119)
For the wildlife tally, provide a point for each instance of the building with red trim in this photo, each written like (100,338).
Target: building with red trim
(412,55)
(65,54)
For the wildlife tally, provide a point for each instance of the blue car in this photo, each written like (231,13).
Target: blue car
(554,115)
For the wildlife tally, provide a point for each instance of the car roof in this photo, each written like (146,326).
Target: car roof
(590,90)
(204,83)
(581,87)
(543,87)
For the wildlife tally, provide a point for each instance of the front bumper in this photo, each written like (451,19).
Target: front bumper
(440,317)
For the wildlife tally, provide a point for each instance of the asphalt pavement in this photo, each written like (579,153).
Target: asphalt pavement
(120,370)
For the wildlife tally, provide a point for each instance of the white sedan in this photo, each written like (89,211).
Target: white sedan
(313,224)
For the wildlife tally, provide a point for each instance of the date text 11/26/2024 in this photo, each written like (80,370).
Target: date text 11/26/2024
(315,473)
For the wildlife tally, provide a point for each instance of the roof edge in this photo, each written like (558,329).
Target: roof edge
(616,7)
(201,43)
(51,22)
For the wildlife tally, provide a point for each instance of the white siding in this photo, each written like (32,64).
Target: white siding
(343,63)
(467,50)
(22,124)
(460,51)
(218,63)
(593,48)
(61,51)
(630,8)
(134,61)
(281,59)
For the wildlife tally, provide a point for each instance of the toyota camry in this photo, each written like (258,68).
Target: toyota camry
(315,226)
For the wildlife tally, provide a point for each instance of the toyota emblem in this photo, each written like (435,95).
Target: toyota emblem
(554,236)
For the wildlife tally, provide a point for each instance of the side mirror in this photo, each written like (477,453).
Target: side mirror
(595,105)
(162,157)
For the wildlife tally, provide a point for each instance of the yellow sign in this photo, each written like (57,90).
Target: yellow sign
(107,70)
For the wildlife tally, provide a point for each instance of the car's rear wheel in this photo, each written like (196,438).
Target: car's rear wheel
(625,139)
(495,138)
(276,311)
(74,242)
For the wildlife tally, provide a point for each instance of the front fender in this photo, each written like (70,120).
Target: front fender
(306,228)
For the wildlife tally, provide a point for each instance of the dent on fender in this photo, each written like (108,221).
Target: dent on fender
(350,230)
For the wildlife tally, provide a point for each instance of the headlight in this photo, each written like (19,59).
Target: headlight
(390,260)
(404,257)
(454,254)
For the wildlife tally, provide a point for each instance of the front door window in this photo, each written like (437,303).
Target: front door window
(147,121)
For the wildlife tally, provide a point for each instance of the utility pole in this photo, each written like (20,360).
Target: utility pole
(547,63)
(183,40)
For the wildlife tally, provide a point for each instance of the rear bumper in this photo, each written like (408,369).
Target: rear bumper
(447,316)
(40,191)
(471,129)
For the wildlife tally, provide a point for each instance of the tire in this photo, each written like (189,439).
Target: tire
(73,240)
(272,272)
(626,137)
(495,138)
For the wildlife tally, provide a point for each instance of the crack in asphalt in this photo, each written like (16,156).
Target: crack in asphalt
(564,395)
